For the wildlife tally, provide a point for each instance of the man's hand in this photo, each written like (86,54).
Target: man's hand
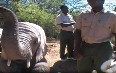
(114,53)
(114,47)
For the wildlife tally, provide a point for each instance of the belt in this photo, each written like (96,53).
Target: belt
(95,44)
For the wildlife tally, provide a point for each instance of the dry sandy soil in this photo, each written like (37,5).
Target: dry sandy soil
(54,62)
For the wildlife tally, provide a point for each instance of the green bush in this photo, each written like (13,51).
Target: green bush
(33,13)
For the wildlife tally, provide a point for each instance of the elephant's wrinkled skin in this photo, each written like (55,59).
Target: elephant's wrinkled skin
(23,46)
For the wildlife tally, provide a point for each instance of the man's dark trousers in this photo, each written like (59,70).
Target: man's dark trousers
(93,56)
(66,39)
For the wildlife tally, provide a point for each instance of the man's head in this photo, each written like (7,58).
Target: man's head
(64,9)
(96,3)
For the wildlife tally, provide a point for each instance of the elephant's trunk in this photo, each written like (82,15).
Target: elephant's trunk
(9,38)
(12,50)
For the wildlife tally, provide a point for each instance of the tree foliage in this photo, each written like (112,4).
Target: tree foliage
(41,12)
(111,6)
(48,5)
(33,13)
(76,5)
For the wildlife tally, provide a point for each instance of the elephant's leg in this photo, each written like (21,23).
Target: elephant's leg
(13,68)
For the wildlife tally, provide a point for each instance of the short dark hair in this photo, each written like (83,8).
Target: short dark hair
(63,6)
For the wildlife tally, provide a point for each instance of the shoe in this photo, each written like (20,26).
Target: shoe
(70,58)
(63,60)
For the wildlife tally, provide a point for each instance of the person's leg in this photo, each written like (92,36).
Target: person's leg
(70,45)
(85,65)
(103,53)
(62,45)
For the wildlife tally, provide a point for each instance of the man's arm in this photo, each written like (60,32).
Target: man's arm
(114,49)
(115,42)
(77,44)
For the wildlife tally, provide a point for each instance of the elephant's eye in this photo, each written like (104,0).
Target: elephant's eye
(35,41)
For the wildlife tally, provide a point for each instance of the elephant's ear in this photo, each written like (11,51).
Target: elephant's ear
(42,49)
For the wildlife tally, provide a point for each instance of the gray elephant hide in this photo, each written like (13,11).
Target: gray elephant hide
(21,40)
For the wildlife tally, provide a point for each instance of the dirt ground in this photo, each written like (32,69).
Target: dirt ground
(54,62)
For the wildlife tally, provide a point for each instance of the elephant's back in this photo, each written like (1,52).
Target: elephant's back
(31,27)
(40,34)
(26,27)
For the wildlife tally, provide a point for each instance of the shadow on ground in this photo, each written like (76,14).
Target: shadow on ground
(69,66)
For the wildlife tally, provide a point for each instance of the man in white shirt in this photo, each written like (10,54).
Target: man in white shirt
(65,23)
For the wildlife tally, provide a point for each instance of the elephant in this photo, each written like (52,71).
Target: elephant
(23,45)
